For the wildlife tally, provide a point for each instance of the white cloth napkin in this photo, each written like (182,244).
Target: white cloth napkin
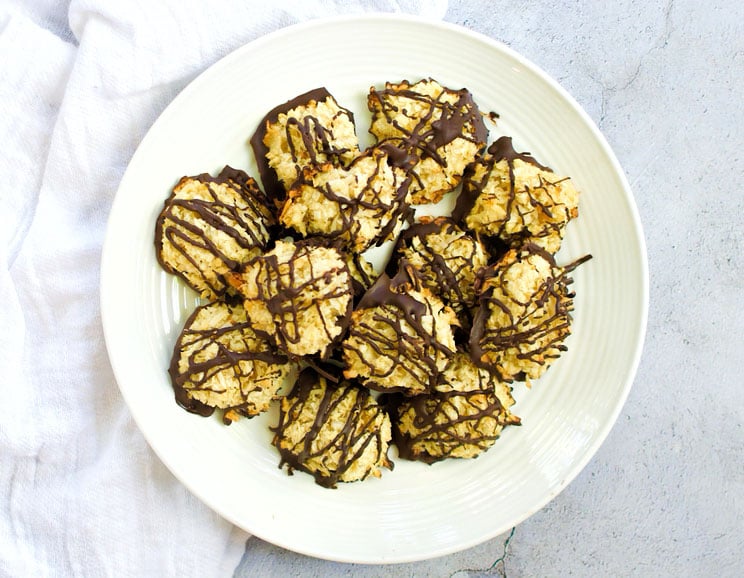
(81,493)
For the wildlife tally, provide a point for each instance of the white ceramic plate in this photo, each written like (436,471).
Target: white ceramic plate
(416,511)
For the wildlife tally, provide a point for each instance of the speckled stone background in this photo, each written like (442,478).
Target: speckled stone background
(664,496)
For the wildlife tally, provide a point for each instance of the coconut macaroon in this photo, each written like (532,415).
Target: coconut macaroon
(307,131)
(400,337)
(220,362)
(210,226)
(337,433)
(437,132)
(445,257)
(511,196)
(524,314)
(436,426)
(299,295)
(361,205)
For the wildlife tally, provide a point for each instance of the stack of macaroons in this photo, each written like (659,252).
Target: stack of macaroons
(465,306)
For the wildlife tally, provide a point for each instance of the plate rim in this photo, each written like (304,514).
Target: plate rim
(602,433)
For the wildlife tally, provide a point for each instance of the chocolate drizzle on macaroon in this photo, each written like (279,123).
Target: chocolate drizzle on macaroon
(361,205)
(209,226)
(400,337)
(446,259)
(208,359)
(512,197)
(423,121)
(434,427)
(519,331)
(501,149)
(363,274)
(442,122)
(299,295)
(318,140)
(336,433)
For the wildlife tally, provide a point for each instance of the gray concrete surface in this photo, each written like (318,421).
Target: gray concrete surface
(664,496)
